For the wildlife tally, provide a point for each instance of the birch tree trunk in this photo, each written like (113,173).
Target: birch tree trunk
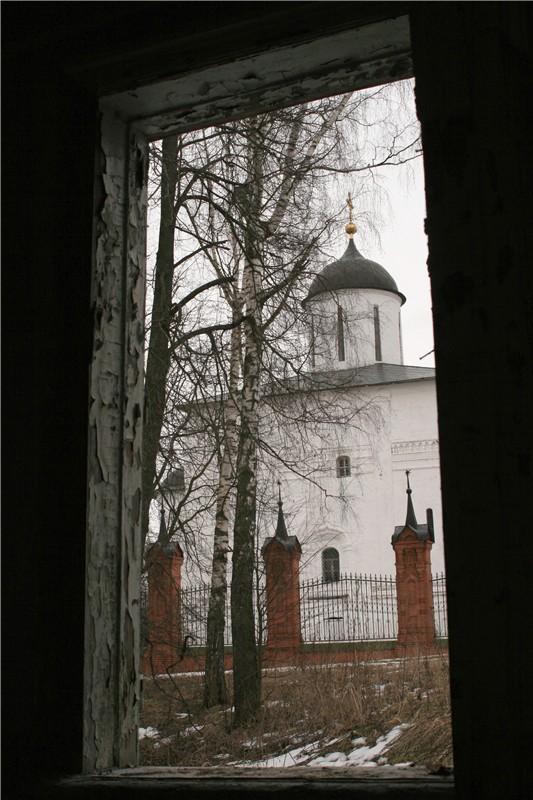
(215,690)
(246,672)
(246,669)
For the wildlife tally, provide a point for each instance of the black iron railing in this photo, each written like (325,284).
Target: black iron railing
(440,611)
(195,607)
(353,608)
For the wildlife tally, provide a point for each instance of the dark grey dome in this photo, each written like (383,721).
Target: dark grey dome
(174,482)
(353,271)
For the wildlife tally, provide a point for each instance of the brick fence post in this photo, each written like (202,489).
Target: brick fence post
(412,545)
(164,606)
(282,554)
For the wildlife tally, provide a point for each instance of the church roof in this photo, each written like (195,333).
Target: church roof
(353,271)
(371,375)
(175,481)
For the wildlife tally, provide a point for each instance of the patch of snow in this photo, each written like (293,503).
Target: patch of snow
(335,758)
(148,733)
(366,755)
(294,757)
(362,755)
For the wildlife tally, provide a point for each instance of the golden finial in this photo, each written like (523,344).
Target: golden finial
(351,227)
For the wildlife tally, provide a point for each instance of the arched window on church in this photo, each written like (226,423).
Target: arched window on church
(330,565)
(344,469)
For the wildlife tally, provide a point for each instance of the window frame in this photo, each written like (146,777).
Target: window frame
(344,467)
(112,545)
(331,555)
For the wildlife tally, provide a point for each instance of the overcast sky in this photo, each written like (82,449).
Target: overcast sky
(400,247)
(405,255)
(403,252)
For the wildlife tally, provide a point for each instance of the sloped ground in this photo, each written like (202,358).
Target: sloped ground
(365,714)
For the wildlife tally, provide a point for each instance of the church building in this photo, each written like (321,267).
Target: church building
(349,426)
(345,521)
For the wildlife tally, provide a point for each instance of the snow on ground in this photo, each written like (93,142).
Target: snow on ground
(361,756)
(148,733)
(153,733)
(297,755)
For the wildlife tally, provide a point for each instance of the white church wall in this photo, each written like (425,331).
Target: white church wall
(357,514)
(415,447)
(371,328)
(414,411)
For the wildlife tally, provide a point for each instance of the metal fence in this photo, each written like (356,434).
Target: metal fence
(354,608)
(440,610)
(195,607)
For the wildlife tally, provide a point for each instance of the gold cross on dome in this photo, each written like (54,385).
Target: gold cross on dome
(351,227)
(350,205)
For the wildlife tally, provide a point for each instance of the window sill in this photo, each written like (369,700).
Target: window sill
(353,782)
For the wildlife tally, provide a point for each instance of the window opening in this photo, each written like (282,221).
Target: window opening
(202,392)
(225,317)
(344,469)
(330,565)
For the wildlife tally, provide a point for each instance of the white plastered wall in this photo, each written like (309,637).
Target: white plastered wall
(357,515)
(359,328)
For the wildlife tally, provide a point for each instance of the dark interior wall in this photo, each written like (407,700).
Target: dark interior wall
(476,138)
(118,45)
(48,145)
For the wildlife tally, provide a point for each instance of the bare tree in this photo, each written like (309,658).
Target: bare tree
(255,208)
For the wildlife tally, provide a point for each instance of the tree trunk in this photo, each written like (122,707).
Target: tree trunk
(215,690)
(158,350)
(246,671)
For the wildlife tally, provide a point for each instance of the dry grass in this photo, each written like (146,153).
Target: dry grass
(304,705)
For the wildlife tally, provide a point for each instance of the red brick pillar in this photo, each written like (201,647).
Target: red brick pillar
(412,545)
(164,609)
(282,556)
